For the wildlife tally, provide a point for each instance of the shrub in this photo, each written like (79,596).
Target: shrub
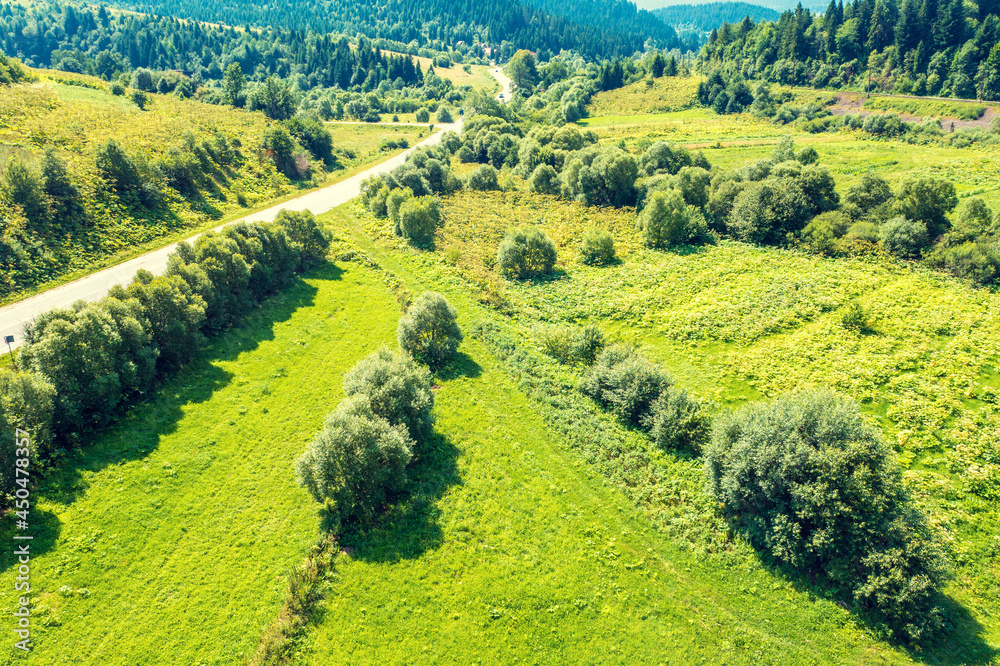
(117,168)
(823,232)
(418,220)
(140,99)
(887,124)
(667,221)
(597,248)
(544,180)
(483,179)
(817,490)
(117,89)
(526,253)
(26,403)
(903,237)
(393,202)
(766,211)
(569,345)
(25,188)
(356,461)
(423,115)
(429,331)
(625,383)
(855,318)
(309,239)
(677,421)
(693,183)
(398,390)
(975,219)
(444,115)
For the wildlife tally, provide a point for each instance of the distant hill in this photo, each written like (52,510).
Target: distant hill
(778,5)
(705,17)
(596,28)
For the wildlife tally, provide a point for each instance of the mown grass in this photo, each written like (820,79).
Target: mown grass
(171,535)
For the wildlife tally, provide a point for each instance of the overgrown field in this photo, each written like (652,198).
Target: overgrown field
(733,140)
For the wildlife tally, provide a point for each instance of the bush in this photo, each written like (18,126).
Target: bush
(309,239)
(140,99)
(598,248)
(423,115)
(927,200)
(855,318)
(483,179)
(903,237)
(117,89)
(429,330)
(767,211)
(356,461)
(817,490)
(887,124)
(568,345)
(544,180)
(398,390)
(117,168)
(667,221)
(868,196)
(677,422)
(26,403)
(625,383)
(444,115)
(419,218)
(526,253)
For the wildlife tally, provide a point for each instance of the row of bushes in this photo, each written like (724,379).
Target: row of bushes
(82,366)
(359,459)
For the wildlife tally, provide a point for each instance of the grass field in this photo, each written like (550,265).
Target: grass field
(730,141)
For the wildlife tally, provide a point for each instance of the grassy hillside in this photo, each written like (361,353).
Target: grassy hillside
(73,115)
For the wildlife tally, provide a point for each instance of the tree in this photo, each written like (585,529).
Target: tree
(544,180)
(429,331)
(356,461)
(817,491)
(766,211)
(484,178)
(27,402)
(927,200)
(904,237)
(523,72)
(66,205)
(667,221)
(867,196)
(310,239)
(597,248)
(444,115)
(398,390)
(419,218)
(625,383)
(25,188)
(232,84)
(142,79)
(423,115)
(526,253)
(656,65)
(281,148)
(274,98)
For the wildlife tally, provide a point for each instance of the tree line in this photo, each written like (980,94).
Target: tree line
(597,28)
(108,43)
(925,47)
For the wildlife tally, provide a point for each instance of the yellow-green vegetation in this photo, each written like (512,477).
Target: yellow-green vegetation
(735,322)
(926,108)
(730,141)
(648,96)
(170,537)
(74,116)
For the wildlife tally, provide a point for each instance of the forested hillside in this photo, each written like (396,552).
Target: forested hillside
(924,47)
(600,28)
(711,15)
(106,44)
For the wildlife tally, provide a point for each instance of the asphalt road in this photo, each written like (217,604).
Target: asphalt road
(96,285)
(504,81)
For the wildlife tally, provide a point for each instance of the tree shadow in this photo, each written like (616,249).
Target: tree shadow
(962,641)
(462,365)
(44,528)
(138,431)
(410,527)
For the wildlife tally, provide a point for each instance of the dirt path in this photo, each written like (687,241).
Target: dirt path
(850,102)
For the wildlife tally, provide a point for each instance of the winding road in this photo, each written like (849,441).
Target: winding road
(96,285)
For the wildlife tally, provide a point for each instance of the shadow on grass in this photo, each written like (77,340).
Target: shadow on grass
(139,431)
(963,641)
(410,527)
(462,366)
